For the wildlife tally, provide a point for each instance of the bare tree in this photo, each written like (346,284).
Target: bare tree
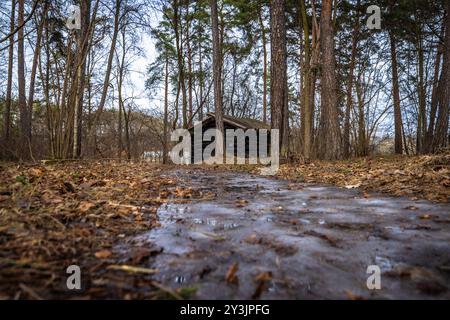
(7,113)
(349,99)
(25,113)
(117,17)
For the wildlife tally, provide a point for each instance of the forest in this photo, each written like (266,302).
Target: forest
(316,71)
(91,92)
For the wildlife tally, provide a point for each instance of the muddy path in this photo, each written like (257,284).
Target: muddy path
(297,241)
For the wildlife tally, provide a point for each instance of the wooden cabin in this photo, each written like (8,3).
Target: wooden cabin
(231,123)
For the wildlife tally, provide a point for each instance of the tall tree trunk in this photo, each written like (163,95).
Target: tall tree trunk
(181,72)
(126,116)
(120,128)
(349,100)
(398,123)
(189,58)
(166,111)
(83,48)
(278,69)
(217,62)
(306,90)
(7,113)
(264,47)
(434,98)
(233,88)
(313,69)
(329,132)
(36,55)
(422,118)
(362,137)
(101,105)
(25,116)
(441,136)
(201,82)
(121,67)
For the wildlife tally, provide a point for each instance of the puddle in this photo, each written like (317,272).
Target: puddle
(315,241)
(384,263)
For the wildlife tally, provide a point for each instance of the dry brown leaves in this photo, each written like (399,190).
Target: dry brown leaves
(55,215)
(425,177)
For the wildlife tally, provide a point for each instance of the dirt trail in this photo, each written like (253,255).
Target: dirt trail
(296,241)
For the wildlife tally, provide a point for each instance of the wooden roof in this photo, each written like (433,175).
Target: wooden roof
(241,123)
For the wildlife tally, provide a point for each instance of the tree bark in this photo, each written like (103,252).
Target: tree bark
(422,117)
(7,113)
(201,82)
(179,46)
(441,136)
(278,69)
(398,123)
(166,111)
(121,67)
(362,149)
(264,47)
(217,62)
(118,4)
(306,105)
(83,48)
(329,132)
(36,55)
(434,98)
(189,60)
(25,116)
(349,100)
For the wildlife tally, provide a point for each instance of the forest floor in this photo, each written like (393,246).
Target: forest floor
(146,231)
(417,177)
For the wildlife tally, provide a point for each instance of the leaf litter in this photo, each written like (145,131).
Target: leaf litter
(60,214)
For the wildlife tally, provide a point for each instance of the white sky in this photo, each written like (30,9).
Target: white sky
(138,74)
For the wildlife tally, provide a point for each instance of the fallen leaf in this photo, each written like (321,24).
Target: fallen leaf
(35,172)
(163,195)
(139,254)
(132,269)
(264,276)
(262,279)
(241,203)
(85,206)
(252,239)
(103,254)
(183,192)
(231,276)
(352,296)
